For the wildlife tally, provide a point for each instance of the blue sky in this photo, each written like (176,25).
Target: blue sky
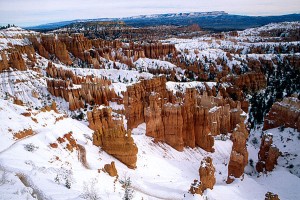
(34,12)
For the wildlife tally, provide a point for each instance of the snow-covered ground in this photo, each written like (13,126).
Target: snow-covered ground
(14,36)
(161,173)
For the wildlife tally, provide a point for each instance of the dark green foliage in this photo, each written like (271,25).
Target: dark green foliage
(68,184)
(282,81)
(251,163)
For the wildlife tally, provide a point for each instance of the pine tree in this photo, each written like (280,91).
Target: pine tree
(128,195)
(68,184)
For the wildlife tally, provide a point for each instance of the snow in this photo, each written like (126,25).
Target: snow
(147,63)
(162,172)
(181,87)
(14,36)
(13,188)
(270,27)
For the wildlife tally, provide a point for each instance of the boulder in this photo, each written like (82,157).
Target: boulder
(111,169)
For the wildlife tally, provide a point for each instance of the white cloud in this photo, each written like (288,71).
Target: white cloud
(28,12)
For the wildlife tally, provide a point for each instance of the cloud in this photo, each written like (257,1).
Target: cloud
(29,12)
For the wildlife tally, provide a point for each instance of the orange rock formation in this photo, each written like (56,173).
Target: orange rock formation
(56,47)
(285,113)
(111,136)
(91,90)
(111,169)
(207,177)
(267,155)
(271,196)
(239,153)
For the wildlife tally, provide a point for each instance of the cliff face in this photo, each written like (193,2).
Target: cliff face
(267,155)
(39,48)
(16,61)
(56,47)
(173,124)
(285,113)
(239,153)
(249,81)
(92,90)
(13,60)
(111,136)
(78,45)
(186,119)
(192,120)
(137,96)
(156,50)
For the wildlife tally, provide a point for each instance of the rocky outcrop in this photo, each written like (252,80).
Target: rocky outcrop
(192,120)
(67,141)
(71,145)
(248,82)
(137,96)
(111,136)
(90,90)
(13,58)
(271,196)
(267,155)
(56,47)
(22,134)
(285,113)
(3,62)
(196,187)
(111,169)
(173,125)
(39,48)
(239,154)
(157,50)
(54,107)
(15,61)
(207,174)
(207,177)
(18,101)
(78,45)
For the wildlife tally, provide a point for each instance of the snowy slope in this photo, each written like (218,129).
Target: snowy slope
(162,172)
(14,36)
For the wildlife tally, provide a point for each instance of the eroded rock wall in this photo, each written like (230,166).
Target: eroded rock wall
(111,136)
(285,113)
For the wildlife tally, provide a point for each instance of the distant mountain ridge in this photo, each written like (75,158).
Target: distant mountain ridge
(170,15)
(215,21)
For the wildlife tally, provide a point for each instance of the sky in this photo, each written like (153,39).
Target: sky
(35,12)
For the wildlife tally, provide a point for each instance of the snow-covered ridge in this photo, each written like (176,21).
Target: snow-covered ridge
(16,32)
(192,14)
(270,27)
(181,87)
(14,36)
